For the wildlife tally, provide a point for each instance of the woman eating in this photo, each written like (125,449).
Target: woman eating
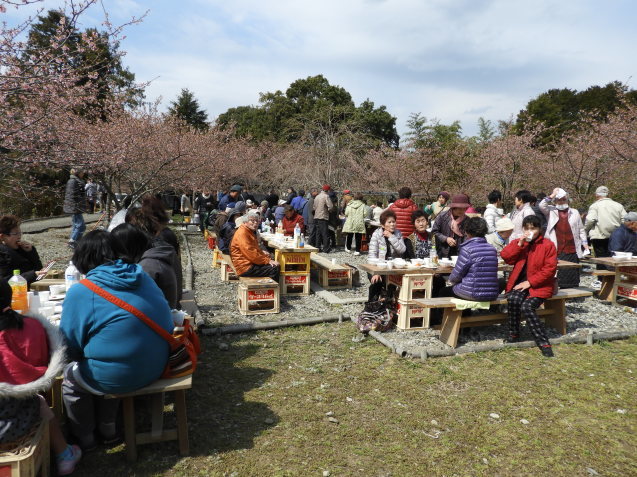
(15,253)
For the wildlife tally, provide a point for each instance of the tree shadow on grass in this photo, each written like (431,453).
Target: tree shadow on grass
(219,417)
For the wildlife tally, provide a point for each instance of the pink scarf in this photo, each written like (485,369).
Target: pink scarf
(455,224)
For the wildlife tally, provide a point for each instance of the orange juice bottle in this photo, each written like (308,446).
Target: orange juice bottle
(19,300)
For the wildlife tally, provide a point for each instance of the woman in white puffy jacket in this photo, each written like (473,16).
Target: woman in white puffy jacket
(386,243)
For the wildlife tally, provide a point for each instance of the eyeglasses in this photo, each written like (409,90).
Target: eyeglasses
(18,234)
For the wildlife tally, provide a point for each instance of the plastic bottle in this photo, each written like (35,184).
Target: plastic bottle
(301,241)
(19,298)
(297,235)
(433,254)
(71,276)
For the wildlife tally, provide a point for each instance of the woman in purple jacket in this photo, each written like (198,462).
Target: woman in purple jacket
(475,275)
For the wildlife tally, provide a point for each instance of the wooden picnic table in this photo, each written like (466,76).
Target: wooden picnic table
(625,282)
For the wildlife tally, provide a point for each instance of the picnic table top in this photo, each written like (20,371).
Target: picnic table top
(286,246)
(614,262)
(442,269)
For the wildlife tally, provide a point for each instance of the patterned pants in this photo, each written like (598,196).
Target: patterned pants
(523,306)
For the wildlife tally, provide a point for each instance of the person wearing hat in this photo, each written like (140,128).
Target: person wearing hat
(624,237)
(500,238)
(279,211)
(345,199)
(522,199)
(440,205)
(322,207)
(448,228)
(604,216)
(565,229)
(248,259)
(232,196)
(265,211)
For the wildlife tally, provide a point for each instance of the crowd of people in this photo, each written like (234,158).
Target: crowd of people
(137,261)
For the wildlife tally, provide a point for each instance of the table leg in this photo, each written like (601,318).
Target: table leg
(450,326)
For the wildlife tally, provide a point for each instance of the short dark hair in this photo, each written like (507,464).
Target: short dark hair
(133,240)
(143,220)
(476,227)
(358,196)
(386,215)
(379,203)
(94,249)
(533,220)
(404,193)
(287,208)
(416,214)
(8,223)
(524,195)
(494,196)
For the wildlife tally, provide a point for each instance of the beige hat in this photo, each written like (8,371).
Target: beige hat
(503,224)
(601,190)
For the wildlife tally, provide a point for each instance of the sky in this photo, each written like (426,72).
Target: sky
(446,59)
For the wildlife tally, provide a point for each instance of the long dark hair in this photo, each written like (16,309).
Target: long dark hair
(9,319)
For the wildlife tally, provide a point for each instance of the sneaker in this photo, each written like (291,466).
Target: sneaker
(596,284)
(357,253)
(67,460)
(547,351)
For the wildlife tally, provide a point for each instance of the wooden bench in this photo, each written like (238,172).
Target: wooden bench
(157,434)
(331,275)
(607,277)
(228,272)
(554,313)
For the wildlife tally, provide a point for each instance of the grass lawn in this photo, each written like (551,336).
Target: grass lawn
(260,408)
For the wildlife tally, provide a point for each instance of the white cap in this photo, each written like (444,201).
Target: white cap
(561,193)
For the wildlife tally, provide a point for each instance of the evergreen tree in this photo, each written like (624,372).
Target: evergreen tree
(186,108)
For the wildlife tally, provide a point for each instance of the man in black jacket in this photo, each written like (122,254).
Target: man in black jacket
(75,204)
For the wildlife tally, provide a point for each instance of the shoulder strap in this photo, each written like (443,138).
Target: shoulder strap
(129,308)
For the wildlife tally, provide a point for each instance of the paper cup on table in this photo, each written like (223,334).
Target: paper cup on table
(44,295)
(390,265)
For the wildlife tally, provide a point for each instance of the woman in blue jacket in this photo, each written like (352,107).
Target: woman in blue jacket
(112,351)
(475,275)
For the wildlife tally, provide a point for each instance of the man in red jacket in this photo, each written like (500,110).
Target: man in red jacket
(403,208)
(534,260)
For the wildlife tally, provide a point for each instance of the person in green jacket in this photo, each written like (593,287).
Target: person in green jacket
(354,225)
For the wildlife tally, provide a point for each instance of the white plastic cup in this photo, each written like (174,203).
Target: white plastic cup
(57,290)
(390,265)
(44,295)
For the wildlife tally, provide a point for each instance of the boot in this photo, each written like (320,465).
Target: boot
(547,351)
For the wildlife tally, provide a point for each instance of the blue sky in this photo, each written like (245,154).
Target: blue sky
(447,59)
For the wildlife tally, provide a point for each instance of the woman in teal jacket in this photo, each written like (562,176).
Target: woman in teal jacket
(112,350)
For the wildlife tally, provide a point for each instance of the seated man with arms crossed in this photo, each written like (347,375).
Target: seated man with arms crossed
(248,259)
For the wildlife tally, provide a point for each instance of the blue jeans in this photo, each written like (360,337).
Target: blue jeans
(77,222)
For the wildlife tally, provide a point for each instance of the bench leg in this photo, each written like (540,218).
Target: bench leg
(607,288)
(130,438)
(450,327)
(557,318)
(182,421)
(157,413)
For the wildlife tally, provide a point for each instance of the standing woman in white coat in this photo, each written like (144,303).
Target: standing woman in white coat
(566,230)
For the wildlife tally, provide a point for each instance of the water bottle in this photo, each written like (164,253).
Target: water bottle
(19,299)
(71,276)
(301,241)
(297,235)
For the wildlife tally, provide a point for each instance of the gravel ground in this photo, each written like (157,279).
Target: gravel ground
(218,300)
